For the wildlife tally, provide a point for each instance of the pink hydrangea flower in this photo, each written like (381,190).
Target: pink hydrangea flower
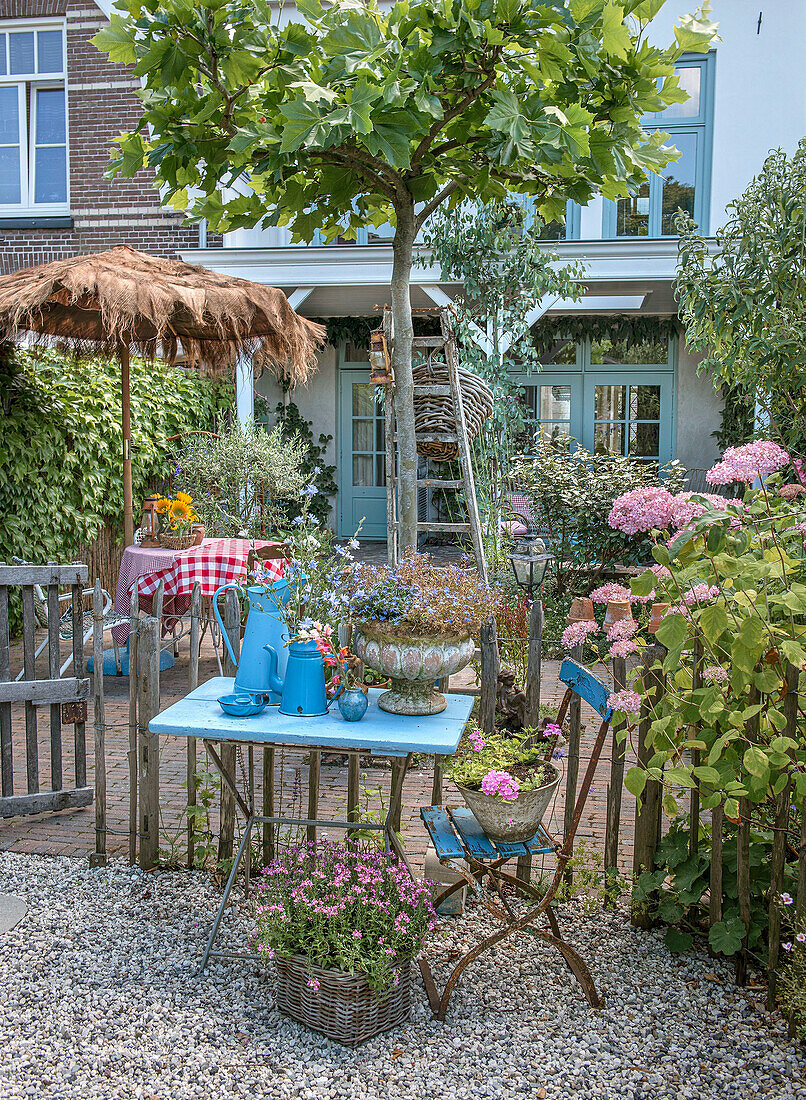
(623,648)
(626,701)
(576,633)
(685,508)
(748,462)
(622,628)
(611,591)
(700,593)
(642,510)
(715,674)
(502,784)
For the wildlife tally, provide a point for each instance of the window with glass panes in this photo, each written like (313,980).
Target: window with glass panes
(609,397)
(33,118)
(684,183)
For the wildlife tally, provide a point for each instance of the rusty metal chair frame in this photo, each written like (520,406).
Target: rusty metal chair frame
(473,869)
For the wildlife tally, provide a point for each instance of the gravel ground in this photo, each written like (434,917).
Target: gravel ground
(97,1000)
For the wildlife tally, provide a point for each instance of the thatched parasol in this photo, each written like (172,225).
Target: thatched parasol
(124,300)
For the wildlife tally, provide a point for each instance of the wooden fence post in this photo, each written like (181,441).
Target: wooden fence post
(489,676)
(778,854)
(693,729)
(193,682)
(615,787)
(232,624)
(148,702)
(6,742)
(572,761)
(134,627)
(715,879)
(314,779)
(800,908)
(98,857)
(743,884)
(648,805)
(533,665)
(53,671)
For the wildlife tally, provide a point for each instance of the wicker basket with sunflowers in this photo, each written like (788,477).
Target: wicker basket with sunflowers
(178,519)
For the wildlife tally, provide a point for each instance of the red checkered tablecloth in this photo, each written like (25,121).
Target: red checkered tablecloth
(214,563)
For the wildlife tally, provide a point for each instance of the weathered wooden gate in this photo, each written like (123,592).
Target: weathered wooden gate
(22,700)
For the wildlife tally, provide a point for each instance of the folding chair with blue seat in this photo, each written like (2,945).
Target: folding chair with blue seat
(461,844)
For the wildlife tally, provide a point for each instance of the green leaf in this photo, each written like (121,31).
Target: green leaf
(643,584)
(615,36)
(713,621)
(678,941)
(117,40)
(756,763)
(635,781)
(673,630)
(726,936)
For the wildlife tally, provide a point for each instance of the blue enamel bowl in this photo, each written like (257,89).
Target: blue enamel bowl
(241,705)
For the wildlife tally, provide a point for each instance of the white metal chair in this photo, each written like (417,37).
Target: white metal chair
(111,619)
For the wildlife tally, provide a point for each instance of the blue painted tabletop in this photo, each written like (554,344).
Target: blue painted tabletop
(199,715)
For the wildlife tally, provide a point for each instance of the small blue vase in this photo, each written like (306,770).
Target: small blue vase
(352,704)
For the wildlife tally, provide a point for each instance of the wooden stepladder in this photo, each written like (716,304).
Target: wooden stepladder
(440,358)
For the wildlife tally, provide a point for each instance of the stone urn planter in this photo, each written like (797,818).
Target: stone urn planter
(412,664)
(515,821)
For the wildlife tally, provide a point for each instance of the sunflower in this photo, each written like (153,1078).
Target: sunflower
(163,505)
(184,498)
(179,511)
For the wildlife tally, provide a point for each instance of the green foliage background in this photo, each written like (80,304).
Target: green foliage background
(60,460)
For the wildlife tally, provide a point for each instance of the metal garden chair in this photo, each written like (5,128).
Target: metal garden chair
(461,844)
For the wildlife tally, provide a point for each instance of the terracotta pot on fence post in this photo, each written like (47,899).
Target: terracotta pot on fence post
(658,611)
(581,611)
(617,611)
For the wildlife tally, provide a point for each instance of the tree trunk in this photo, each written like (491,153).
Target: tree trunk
(402,368)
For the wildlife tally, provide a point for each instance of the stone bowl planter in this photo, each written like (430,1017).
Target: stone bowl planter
(511,822)
(412,664)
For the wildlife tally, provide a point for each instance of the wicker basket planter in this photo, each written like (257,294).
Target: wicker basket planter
(344,1007)
(177,542)
(434,413)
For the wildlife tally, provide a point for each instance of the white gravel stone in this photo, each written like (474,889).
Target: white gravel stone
(98,1000)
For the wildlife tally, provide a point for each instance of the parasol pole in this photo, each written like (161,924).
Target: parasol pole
(126,423)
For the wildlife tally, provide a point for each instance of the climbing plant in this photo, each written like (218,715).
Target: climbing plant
(60,468)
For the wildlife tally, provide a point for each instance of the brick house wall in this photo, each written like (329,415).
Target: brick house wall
(103,213)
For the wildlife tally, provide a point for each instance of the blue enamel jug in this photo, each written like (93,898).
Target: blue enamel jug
(303,686)
(265,629)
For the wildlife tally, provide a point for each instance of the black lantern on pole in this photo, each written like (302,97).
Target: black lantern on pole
(529,562)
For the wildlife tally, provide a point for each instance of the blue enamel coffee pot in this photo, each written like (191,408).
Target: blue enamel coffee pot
(303,686)
(263,651)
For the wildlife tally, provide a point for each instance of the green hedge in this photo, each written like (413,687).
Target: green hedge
(61,441)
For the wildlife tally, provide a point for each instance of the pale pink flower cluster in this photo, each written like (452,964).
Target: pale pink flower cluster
(626,701)
(748,462)
(700,593)
(685,508)
(622,628)
(625,647)
(715,674)
(641,510)
(662,572)
(552,730)
(502,784)
(611,591)
(576,633)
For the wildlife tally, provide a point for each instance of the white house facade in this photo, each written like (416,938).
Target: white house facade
(747,95)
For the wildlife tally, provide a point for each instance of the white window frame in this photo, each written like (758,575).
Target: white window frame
(27,207)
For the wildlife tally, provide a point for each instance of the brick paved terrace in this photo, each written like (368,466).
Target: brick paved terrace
(71,832)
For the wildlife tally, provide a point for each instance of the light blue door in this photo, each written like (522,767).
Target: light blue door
(362,457)
(629,412)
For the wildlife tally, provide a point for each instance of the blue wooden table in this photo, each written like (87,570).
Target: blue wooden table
(377,734)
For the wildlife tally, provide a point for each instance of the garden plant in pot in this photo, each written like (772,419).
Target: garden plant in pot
(341,927)
(509,781)
(417,624)
(177,521)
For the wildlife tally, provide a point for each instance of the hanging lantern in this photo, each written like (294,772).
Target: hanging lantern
(149,524)
(380,368)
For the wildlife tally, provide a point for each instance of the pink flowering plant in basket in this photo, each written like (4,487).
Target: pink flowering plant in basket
(350,911)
